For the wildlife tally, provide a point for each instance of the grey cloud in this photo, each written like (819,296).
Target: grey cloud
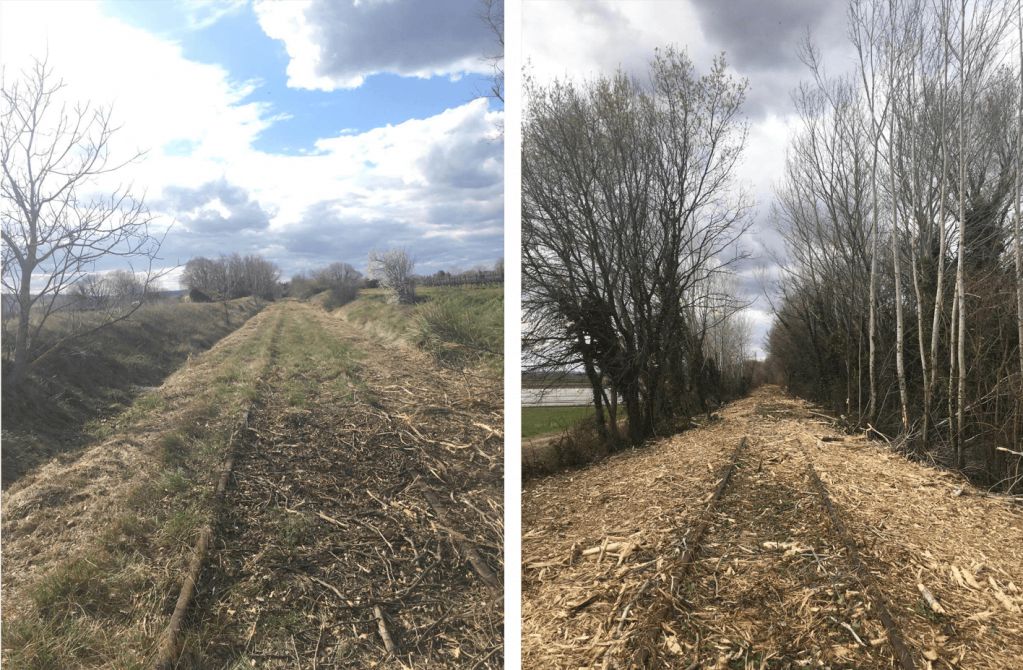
(762,41)
(193,207)
(467,161)
(762,35)
(467,213)
(327,234)
(405,37)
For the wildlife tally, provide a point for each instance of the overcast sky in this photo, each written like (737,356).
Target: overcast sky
(307,131)
(760,39)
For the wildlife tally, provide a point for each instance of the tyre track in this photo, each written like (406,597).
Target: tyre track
(648,642)
(332,553)
(772,589)
(169,644)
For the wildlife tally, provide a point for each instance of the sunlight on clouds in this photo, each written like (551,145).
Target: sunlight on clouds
(193,121)
(336,44)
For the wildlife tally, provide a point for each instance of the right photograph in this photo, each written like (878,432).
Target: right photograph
(772,334)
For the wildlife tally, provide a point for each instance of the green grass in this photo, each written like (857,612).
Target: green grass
(456,323)
(545,420)
(472,318)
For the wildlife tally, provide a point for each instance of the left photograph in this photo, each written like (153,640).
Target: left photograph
(252,327)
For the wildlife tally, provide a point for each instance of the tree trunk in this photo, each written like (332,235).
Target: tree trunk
(939,294)
(900,328)
(872,326)
(960,269)
(1019,195)
(19,366)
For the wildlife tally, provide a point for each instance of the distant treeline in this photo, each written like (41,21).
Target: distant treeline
(230,277)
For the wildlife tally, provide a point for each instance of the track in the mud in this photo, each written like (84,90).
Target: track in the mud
(771,582)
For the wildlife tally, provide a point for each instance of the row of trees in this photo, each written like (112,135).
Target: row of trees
(630,216)
(233,276)
(901,303)
(392,268)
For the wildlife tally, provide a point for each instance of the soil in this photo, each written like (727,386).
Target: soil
(773,584)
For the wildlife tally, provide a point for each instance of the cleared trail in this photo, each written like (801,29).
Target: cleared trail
(364,523)
(776,582)
(360,524)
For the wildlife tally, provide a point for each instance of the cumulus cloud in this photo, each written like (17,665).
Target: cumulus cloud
(338,43)
(433,184)
(215,207)
(330,228)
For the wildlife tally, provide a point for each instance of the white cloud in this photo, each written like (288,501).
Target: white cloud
(582,38)
(203,169)
(338,43)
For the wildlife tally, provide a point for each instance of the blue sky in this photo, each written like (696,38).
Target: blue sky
(309,132)
(237,42)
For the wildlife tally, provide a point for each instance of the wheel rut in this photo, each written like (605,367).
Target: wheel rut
(773,586)
(351,537)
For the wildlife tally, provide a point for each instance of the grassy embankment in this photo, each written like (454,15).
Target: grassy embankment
(94,548)
(460,325)
(68,397)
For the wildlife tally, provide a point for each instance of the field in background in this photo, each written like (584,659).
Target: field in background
(69,397)
(544,420)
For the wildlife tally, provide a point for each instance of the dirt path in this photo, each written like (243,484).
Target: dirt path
(773,584)
(363,526)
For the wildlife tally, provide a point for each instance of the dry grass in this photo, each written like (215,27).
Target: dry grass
(94,548)
(68,401)
(93,545)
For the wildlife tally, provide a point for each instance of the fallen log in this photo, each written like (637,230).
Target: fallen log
(169,645)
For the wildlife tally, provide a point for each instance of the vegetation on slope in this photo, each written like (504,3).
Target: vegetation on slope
(69,396)
(458,324)
(93,549)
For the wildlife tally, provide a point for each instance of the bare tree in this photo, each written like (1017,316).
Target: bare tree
(112,290)
(492,15)
(630,211)
(394,270)
(55,227)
